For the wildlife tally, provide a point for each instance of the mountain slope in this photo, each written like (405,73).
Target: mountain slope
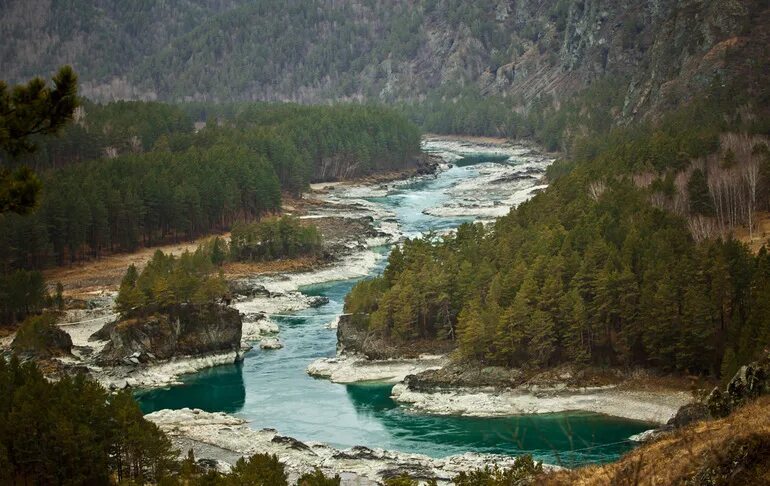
(659,51)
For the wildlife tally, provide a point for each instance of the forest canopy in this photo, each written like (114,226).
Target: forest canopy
(625,260)
(133,174)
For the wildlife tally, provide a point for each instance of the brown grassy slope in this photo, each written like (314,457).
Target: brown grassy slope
(730,451)
(761,234)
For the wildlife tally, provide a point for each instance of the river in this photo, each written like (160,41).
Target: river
(272,389)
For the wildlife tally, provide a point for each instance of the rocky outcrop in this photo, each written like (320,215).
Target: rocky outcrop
(270,343)
(42,338)
(461,375)
(750,382)
(173,331)
(225,437)
(688,414)
(354,337)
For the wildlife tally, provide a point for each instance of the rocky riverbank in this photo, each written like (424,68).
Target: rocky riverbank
(225,438)
(647,406)
(439,386)
(431,384)
(348,368)
(153,351)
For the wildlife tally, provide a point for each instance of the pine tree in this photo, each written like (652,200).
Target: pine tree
(26,111)
(470,327)
(698,192)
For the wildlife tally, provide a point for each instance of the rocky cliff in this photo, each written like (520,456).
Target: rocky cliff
(181,330)
(354,337)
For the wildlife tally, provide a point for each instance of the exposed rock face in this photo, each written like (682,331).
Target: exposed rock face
(749,382)
(353,337)
(181,330)
(690,413)
(459,375)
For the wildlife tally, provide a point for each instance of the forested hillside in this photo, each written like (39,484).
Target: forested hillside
(147,177)
(487,66)
(627,259)
(131,174)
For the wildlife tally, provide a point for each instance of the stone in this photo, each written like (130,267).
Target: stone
(270,343)
(751,381)
(173,331)
(318,301)
(690,413)
(291,442)
(42,339)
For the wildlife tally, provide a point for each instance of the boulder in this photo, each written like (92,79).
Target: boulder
(270,343)
(690,413)
(178,330)
(41,337)
(291,442)
(751,381)
(318,301)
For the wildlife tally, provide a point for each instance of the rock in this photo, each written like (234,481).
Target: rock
(357,452)
(334,323)
(353,337)
(751,381)
(291,442)
(179,330)
(318,301)
(467,376)
(247,289)
(103,334)
(41,337)
(270,343)
(687,414)
(414,471)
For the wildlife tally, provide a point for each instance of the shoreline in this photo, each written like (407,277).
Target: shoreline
(644,406)
(616,400)
(345,368)
(226,437)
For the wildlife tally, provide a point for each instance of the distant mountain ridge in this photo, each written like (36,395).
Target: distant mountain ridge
(309,51)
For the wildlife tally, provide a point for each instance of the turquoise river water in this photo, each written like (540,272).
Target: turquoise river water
(272,389)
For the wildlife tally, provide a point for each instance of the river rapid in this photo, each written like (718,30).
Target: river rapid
(271,388)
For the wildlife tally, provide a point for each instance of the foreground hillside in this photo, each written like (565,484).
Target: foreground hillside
(733,450)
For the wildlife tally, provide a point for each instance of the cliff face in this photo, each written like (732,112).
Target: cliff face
(183,330)
(354,337)
(659,51)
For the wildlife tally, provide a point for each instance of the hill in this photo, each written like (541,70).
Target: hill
(652,53)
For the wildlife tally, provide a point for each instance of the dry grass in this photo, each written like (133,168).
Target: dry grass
(249,269)
(105,273)
(761,233)
(733,450)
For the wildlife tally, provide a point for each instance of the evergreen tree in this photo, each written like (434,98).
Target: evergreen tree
(26,111)
(698,192)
